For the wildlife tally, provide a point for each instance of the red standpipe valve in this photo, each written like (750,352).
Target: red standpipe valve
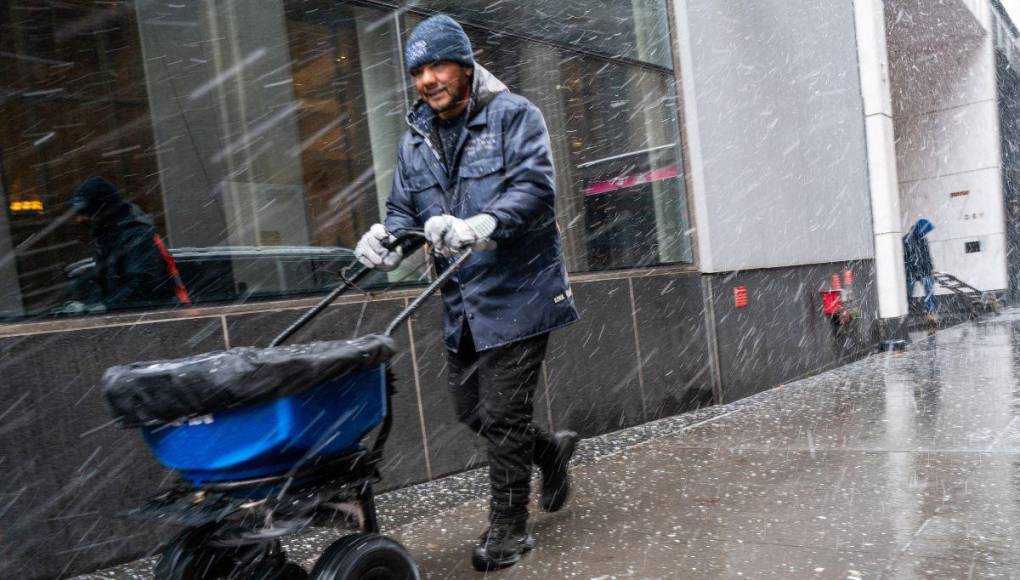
(838,299)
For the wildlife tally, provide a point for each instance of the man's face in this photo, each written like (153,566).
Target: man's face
(445,86)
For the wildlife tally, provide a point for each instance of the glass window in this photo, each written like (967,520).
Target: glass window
(255,142)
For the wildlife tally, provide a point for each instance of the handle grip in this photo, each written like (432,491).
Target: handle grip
(407,240)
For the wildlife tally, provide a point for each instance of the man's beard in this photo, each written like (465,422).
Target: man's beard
(459,98)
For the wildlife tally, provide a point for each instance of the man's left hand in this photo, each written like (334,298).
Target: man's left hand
(451,235)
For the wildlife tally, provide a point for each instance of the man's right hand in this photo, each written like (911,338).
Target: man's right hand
(371,252)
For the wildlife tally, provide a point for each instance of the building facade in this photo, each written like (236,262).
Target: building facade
(717,164)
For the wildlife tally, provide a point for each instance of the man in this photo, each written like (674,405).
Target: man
(475,170)
(132,265)
(919,265)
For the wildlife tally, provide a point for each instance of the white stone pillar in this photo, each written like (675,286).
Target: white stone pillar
(885,201)
(691,132)
(386,89)
(646,92)
(225,119)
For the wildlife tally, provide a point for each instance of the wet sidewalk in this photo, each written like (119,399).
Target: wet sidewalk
(902,465)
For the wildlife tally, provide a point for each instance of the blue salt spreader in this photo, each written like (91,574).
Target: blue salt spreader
(267,442)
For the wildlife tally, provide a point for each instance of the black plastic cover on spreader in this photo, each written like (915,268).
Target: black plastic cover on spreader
(169,390)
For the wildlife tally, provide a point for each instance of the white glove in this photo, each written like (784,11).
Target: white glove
(450,235)
(73,307)
(76,307)
(372,254)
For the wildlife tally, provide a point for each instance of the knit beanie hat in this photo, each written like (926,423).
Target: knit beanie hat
(437,38)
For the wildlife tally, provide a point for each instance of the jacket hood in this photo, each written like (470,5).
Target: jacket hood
(923,227)
(484,88)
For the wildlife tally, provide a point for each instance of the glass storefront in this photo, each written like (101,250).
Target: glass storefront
(259,137)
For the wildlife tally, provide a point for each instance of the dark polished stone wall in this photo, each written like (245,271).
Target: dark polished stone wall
(1008,90)
(640,352)
(782,334)
(66,470)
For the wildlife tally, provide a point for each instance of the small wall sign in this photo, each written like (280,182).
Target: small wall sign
(740,296)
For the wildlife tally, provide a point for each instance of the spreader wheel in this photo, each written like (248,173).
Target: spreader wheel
(365,557)
(190,557)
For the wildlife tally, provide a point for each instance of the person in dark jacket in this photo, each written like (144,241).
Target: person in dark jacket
(475,171)
(132,265)
(919,264)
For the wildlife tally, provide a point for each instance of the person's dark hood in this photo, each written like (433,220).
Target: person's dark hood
(108,212)
(484,88)
(95,196)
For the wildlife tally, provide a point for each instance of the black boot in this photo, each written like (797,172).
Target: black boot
(553,458)
(502,545)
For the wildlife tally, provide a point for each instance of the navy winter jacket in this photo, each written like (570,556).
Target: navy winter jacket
(131,270)
(916,253)
(503,168)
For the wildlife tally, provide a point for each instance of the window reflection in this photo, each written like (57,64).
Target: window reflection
(629,29)
(74,105)
(616,145)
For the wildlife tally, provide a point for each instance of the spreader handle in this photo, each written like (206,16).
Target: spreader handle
(440,281)
(408,241)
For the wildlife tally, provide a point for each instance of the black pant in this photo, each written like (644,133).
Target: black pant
(494,392)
